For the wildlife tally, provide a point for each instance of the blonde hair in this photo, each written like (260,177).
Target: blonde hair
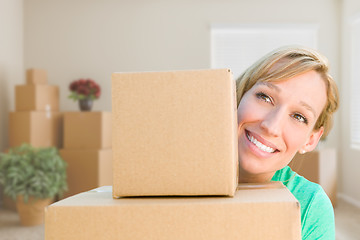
(288,62)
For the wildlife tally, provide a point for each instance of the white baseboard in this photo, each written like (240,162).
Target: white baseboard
(349,199)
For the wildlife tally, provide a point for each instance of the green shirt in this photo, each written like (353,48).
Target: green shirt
(317,213)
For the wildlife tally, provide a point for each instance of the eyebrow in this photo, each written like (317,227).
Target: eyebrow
(276,88)
(307,106)
(270,85)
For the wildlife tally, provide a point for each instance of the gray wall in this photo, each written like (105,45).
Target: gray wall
(349,158)
(75,38)
(11,61)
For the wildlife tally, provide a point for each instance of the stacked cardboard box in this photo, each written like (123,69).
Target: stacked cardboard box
(174,133)
(319,166)
(87,150)
(249,215)
(175,151)
(36,119)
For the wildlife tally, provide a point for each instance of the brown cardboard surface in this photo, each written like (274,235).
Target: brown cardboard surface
(87,169)
(174,133)
(38,128)
(251,214)
(8,203)
(319,166)
(87,130)
(36,98)
(36,76)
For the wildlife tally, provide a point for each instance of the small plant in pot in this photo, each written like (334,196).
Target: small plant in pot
(84,91)
(32,177)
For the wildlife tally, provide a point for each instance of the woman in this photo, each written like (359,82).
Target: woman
(285,105)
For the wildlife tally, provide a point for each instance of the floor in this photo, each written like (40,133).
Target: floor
(10,228)
(347,220)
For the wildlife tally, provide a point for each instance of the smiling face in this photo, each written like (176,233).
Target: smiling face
(275,120)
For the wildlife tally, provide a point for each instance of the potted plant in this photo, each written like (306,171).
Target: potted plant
(32,177)
(84,91)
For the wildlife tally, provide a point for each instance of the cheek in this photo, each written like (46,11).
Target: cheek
(248,111)
(294,137)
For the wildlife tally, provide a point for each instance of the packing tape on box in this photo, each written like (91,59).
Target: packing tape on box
(48,114)
(102,189)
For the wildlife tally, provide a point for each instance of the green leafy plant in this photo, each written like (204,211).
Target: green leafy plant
(36,172)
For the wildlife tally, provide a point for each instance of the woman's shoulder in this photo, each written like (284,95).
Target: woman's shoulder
(316,209)
(289,177)
(299,186)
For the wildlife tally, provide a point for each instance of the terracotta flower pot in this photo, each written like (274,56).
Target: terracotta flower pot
(32,213)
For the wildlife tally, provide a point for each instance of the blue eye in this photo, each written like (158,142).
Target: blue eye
(264,97)
(299,117)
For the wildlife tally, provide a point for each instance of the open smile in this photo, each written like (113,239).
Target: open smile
(260,145)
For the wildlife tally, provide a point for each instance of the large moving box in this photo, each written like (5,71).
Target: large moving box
(252,214)
(40,97)
(319,166)
(87,130)
(174,133)
(87,169)
(38,128)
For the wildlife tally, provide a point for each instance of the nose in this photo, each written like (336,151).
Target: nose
(273,122)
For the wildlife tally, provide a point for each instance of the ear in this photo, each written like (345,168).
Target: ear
(312,141)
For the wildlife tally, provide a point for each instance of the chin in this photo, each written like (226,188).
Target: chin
(252,166)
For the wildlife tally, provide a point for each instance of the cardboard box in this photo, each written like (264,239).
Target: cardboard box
(8,203)
(38,128)
(87,130)
(87,169)
(319,166)
(248,215)
(174,133)
(36,98)
(36,76)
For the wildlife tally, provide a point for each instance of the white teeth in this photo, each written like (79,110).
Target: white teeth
(260,145)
